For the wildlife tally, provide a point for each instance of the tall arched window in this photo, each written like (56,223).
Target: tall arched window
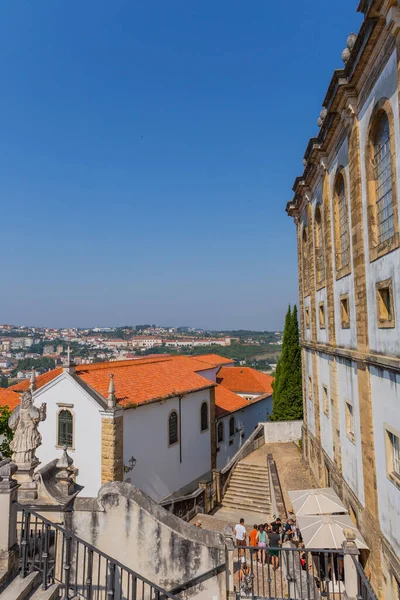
(65,428)
(232,427)
(305,261)
(383,179)
(173,428)
(204,416)
(319,247)
(220,432)
(342,239)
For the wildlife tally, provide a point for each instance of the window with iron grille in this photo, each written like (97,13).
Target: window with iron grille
(383,180)
(173,428)
(343,224)
(204,416)
(231,427)
(220,432)
(319,247)
(65,428)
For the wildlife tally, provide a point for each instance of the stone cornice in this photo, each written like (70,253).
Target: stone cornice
(384,362)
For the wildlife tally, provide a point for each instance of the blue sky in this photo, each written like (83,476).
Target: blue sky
(147,152)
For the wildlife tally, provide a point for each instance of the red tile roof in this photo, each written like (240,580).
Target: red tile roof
(141,382)
(214,359)
(245,380)
(136,381)
(227,402)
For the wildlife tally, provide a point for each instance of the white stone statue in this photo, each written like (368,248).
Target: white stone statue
(24,422)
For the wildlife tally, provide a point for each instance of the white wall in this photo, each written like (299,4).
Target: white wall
(383,341)
(86,452)
(325,419)
(250,417)
(385,393)
(158,470)
(352,465)
(282,431)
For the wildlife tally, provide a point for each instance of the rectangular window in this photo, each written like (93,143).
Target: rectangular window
(393,454)
(350,429)
(325,400)
(344,311)
(307,311)
(384,304)
(310,394)
(322,315)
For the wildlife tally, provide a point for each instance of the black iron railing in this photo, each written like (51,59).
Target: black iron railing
(81,570)
(288,572)
(365,590)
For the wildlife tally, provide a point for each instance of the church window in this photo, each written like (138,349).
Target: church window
(173,428)
(204,416)
(232,427)
(220,432)
(65,428)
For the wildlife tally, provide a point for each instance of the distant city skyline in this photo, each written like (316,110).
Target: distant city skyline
(148,151)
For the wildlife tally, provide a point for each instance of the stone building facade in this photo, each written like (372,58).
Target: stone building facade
(345,208)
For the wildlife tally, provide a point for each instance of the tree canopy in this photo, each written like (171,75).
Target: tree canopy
(287,396)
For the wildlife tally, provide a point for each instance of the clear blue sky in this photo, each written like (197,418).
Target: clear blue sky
(147,152)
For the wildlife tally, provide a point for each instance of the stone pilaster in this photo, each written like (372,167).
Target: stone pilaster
(311,274)
(8,517)
(357,229)
(317,413)
(334,400)
(112,446)
(330,307)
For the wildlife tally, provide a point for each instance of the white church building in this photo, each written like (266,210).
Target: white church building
(152,422)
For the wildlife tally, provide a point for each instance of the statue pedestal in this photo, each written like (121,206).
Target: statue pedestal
(24,476)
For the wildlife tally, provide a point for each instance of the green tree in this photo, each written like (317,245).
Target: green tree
(287,402)
(6,432)
(3,381)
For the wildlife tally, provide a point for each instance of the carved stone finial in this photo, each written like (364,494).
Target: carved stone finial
(32,385)
(322,116)
(111,402)
(7,470)
(347,115)
(351,40)
(64,478)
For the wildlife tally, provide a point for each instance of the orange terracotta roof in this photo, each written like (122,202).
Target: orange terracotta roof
(227,402)
(245,380)
(214,359)
(137,381)
(9,396)
(143,381)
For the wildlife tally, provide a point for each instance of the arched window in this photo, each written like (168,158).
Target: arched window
(232,427)
(220,432)
(204,416)
(173,428)
(305,261)
(65,428)
(383,179)
(319,247)
(342,238)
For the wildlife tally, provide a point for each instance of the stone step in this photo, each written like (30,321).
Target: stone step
(265,509)
(52,593)
(255,481)
(251,468)
(20,589)
(246,498)
(245,491)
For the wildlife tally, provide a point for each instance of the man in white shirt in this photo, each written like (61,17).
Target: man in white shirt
(240,533)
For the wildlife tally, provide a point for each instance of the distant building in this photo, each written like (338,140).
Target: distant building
(48,349)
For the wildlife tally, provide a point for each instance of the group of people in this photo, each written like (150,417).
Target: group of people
(265,539)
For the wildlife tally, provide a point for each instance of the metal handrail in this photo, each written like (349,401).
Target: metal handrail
(68,538)
(363,582)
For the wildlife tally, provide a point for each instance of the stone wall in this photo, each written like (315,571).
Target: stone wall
(128,525)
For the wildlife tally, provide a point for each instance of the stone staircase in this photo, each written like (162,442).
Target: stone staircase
(248,488)
(29,588)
